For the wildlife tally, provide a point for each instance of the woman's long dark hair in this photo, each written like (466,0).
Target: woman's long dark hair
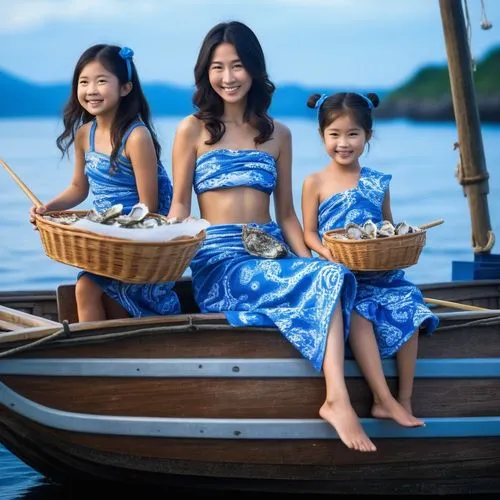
(211,105)
(131,107)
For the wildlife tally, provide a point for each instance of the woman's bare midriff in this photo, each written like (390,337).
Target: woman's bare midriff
(240,205)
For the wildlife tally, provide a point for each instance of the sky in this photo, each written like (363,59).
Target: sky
(324,43)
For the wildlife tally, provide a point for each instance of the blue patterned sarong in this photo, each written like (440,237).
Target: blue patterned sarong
(296,295)
(394,305)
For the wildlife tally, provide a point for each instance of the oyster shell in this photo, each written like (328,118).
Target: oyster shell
(111,213)
(173,220)
(403,228)
(94,216)
(148,223)
(66,220)
(354,232)
(386,229)
(370,229)
(137,214)
(261,244)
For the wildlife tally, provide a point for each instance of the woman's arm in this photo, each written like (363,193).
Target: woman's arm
(310,204)
(183,164)
(283,198)
(141,152)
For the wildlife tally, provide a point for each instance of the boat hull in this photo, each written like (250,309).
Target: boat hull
(189,402)
(453,465)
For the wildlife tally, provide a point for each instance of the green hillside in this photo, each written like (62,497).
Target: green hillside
(427,95)
(434,82)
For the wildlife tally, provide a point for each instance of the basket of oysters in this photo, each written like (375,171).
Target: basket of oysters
(134,247)
(379,246)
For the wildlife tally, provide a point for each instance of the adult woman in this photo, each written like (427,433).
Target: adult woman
(235,156)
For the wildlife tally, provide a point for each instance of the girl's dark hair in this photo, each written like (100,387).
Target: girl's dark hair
(336,105)
(210,104)
(132,106)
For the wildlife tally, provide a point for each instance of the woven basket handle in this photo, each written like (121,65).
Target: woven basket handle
(22,185)
(433,223)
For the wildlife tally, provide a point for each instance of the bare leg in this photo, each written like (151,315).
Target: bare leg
(364,347)
(89,300)
(337,409)
(113,309)
(406,360)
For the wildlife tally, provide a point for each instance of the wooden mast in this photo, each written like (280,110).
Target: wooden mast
(473,174)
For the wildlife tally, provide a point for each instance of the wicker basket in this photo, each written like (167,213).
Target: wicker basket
(379,254)
(125,260)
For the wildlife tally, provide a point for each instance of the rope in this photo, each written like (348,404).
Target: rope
(25,347)
(473,179)
(485,23)
(495,320)
(469,34)
(489,244)
(65,332)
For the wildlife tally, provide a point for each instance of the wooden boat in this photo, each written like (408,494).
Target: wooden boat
(188,401)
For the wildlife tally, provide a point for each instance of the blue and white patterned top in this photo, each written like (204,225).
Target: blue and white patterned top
(228,168)
(356,205)
(108,185)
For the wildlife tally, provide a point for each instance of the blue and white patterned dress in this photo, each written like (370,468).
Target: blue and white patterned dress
(119,186)
(297,295)
(394,305)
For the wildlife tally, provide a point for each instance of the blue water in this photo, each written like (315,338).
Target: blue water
(424,187)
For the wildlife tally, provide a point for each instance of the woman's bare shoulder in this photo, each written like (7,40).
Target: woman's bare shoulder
(281,131)
(190,126)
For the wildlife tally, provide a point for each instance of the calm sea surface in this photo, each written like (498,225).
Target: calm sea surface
(424,187)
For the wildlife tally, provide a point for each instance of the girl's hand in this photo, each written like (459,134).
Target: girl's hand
(33,211)
(326,254)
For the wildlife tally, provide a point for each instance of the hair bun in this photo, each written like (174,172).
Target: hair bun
(313,99)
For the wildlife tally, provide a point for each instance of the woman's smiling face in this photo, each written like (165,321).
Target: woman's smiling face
(227,75)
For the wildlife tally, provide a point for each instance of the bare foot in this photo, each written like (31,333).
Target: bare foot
(390,408)
(341,416)
(406,404)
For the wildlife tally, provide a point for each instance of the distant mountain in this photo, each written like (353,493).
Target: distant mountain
(427,95)
(21,98)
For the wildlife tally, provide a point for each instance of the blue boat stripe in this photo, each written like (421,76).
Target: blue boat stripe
(223,428)
(235,368)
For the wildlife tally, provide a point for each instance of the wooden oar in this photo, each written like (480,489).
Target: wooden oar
(33,333)
(22,185)
(454,305)
(433,223)
(23,319)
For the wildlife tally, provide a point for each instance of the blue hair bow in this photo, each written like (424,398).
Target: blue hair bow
(370,104)
(320,101)
(127,54)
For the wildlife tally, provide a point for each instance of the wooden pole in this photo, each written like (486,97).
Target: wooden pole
(473,175)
